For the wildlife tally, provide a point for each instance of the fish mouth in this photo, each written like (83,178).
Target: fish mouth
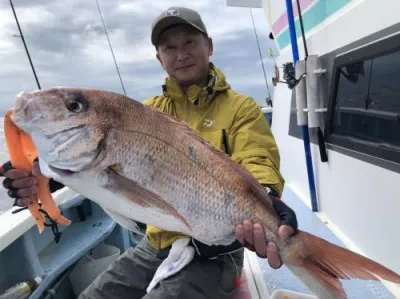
(21,101)
(19,110)
(24,110)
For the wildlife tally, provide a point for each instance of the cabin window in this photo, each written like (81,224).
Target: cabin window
(364,112)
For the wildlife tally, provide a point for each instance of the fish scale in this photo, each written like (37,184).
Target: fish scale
(208,206)
(212,177)
(143,165)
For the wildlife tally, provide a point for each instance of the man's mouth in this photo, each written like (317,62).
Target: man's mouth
(185,67)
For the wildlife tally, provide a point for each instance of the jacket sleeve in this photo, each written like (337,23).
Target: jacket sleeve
(253,145)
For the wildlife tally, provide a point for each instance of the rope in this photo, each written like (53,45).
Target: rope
(52,224)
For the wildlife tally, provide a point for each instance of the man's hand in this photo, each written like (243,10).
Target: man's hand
(21,186)
(252,236)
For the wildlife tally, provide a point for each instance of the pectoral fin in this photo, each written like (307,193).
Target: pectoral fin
(142,196)
(125,222)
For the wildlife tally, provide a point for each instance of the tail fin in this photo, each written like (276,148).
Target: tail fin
(322,264)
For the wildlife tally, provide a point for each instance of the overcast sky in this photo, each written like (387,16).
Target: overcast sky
(68,46)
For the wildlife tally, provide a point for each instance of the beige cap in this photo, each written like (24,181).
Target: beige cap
(174,16)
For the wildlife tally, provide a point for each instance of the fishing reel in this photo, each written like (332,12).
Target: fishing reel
(289,75)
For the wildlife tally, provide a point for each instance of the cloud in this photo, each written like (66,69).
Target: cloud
(68,46)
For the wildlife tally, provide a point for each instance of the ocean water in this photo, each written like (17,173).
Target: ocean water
(5,201)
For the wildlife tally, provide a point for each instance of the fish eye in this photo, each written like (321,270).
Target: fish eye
(74,106)
(78,103)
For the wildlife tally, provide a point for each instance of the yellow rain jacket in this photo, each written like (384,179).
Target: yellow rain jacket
(230,121)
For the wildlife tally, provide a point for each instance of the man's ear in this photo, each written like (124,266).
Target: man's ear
(210,46)
(159,59)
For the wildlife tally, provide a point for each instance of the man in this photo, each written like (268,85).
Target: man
(197,92)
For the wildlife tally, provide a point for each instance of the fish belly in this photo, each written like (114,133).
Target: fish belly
(205,225)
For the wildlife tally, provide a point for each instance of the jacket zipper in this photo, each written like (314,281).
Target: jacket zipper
(225,142)
(187,117)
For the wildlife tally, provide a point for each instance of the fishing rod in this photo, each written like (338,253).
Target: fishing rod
(111,49)
(320,136)
(304,128)
(261,57)
(26,47)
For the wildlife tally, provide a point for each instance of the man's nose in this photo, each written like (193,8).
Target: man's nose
(182,54)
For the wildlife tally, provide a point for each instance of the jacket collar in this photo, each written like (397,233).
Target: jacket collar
(199,96)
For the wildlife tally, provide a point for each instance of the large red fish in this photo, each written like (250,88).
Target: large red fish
(142,165)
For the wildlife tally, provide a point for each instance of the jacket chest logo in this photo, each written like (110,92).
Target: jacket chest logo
(208,123)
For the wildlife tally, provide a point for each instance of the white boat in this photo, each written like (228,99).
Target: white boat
(348,194)
(349,92)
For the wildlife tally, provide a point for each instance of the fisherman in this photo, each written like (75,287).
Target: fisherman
(197,92)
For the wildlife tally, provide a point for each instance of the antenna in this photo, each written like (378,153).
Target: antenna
(26,47)
(269,100)
(112,52)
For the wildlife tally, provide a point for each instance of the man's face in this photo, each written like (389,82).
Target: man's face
(184,54)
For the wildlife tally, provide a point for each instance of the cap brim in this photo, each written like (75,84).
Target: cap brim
(167,22)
